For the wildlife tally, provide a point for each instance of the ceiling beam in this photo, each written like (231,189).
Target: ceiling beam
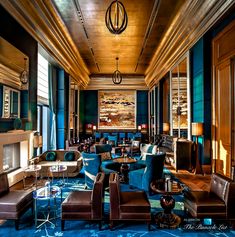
(190,23)
(43,22)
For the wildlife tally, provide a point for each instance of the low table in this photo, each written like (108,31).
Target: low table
(32,169)
(56,170)
(124,161)
(167,219)
(47,193)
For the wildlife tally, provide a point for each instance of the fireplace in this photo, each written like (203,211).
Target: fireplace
(11,157)
(16,148)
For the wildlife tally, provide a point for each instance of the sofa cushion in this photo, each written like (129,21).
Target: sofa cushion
(51,156)
(105,156)
(69,156)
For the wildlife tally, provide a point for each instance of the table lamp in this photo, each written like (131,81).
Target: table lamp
(166,127)
(197,130)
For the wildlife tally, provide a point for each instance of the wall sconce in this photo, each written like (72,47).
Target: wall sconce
(139,128)
(94,128)
(197,130)
(166,127)
(24,74)
(37,141)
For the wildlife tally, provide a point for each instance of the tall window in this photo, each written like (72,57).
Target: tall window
(43,112)
(43,92)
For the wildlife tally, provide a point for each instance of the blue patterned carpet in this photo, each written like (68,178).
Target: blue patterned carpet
(85,228)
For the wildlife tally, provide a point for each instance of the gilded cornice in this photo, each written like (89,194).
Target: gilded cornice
(188,26)
(42,21)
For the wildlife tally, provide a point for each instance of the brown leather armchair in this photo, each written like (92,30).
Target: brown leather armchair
(127,205)
(218,203)
(13,204)
(85,205)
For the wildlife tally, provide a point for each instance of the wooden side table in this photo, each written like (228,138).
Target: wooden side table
(124,161)
(167,219)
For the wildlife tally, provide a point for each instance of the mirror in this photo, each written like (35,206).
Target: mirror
(11,103)
(180,101)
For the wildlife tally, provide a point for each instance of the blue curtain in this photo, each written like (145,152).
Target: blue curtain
(52,107)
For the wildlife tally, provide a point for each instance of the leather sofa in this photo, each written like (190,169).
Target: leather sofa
(73,167)
(218,203)
(13,204)
(127,205)
(85,205)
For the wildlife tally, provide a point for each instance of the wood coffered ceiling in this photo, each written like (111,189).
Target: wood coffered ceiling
(147,21)
(158,34)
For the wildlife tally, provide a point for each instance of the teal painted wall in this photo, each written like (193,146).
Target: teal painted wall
(201,94)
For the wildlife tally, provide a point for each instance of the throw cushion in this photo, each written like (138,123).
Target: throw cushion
(51,156)
(69,156)
(105,156)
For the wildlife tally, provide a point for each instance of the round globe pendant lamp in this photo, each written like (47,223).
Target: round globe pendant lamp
(116,17)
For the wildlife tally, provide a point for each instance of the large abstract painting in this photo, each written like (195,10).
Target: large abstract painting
(117,109)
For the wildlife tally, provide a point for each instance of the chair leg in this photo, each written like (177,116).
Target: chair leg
(17,224)
(62,224)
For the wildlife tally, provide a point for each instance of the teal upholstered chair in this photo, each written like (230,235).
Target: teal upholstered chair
(122,136)
(108,166)
(141,178)
(91,164)
(112,140)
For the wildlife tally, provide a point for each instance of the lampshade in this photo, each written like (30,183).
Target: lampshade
(139,128)
(37,141)
(166,127)
(197,129)
(94,127)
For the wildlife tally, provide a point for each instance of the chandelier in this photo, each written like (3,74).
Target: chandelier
(117,76)
(116,17)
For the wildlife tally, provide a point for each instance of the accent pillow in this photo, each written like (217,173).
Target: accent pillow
(51,156)
(69,156)
(105,156)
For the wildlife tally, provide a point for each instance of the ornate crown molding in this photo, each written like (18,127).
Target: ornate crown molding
(43,22)
(188,26)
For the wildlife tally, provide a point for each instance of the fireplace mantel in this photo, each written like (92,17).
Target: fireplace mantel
(25,138)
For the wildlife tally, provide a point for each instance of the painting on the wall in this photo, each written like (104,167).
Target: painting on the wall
(117,109)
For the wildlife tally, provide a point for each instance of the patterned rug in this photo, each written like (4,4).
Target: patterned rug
(86,228)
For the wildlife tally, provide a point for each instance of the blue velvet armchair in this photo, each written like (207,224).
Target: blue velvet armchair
(141,178)
(91,164)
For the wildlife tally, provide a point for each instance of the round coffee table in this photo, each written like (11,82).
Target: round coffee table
(167,219)
(124,161)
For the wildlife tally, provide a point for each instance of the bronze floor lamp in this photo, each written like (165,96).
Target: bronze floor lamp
(197,130)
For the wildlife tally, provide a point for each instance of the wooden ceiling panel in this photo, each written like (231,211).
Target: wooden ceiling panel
(85,21)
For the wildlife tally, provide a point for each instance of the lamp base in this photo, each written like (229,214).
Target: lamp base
(198,168)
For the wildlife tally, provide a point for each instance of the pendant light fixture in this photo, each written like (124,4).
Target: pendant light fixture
(117,76)
(24,74)
(116,17)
